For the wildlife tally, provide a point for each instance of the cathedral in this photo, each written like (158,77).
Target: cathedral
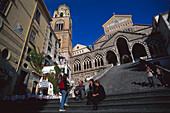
(122,42)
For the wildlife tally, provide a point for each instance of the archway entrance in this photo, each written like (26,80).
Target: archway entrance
(124,52)
(111,58)
(138,51)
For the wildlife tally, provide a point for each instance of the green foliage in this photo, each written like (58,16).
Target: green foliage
(37,59)
(57,69)
(53,79)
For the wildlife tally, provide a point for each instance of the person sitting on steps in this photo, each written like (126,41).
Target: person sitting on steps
(80,91)
(91,91)
(98,95)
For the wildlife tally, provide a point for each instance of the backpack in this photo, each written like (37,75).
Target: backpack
(61,85)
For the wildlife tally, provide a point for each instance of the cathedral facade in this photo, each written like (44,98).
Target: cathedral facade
(122,42)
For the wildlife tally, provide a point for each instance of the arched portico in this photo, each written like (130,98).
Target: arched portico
(138,51)
(111,58)
(123,49)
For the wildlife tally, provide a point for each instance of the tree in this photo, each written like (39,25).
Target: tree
(37,59)
(57,69)
(53,79)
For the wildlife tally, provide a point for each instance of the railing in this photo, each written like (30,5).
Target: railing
(167,70)
(166,73)
(102,73)
(98,76)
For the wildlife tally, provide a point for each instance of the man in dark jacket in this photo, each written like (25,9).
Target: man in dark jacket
(98,95)
(80,90)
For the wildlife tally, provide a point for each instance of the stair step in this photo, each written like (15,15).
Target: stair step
(102,111)
(130,105)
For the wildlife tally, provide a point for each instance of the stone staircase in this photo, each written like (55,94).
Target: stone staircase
(127,78)
(155,101)
(127,92)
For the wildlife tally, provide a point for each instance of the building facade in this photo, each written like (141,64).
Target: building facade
(50,48)
(159,40)
(24,26)
(122,42)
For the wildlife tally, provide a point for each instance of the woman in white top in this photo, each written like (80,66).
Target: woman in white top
(160,76)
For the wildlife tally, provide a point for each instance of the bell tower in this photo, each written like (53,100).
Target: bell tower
(62,26)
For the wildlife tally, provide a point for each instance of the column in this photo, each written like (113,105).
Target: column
(132,56)
(118,59)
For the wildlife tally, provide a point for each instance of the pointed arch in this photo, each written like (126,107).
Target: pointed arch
(77,65)
(98,60)
(87,63)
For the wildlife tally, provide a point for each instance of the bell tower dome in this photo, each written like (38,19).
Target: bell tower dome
(62,11)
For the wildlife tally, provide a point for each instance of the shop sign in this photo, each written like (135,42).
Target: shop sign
(43,84)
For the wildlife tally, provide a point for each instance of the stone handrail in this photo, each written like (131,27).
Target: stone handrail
(102,73)
(98,76)
(167,70)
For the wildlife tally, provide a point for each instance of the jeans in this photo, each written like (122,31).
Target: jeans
(81,94)
(151,82)
(64,99)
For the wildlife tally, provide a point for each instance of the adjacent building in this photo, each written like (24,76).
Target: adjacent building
(24,25)
(159,40)
(50,48)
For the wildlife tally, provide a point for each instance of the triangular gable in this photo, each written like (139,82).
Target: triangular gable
(79,46)
(116,19)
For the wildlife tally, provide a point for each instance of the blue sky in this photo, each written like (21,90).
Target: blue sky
(89,15)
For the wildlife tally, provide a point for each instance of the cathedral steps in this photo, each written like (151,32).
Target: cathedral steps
(128,78)
(155,101)
(122,96)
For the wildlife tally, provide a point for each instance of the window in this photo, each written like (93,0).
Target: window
(29,50)
(61,14)
(98,61)
(4,5)
(32,37)
(49,48)
(55,43)
(19,29)
(59,25)
(51,36)
(46,62)
(5,54)
(37,16)
(95,63)
(59,43)
(87,63)
(55,56)
(77,47)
